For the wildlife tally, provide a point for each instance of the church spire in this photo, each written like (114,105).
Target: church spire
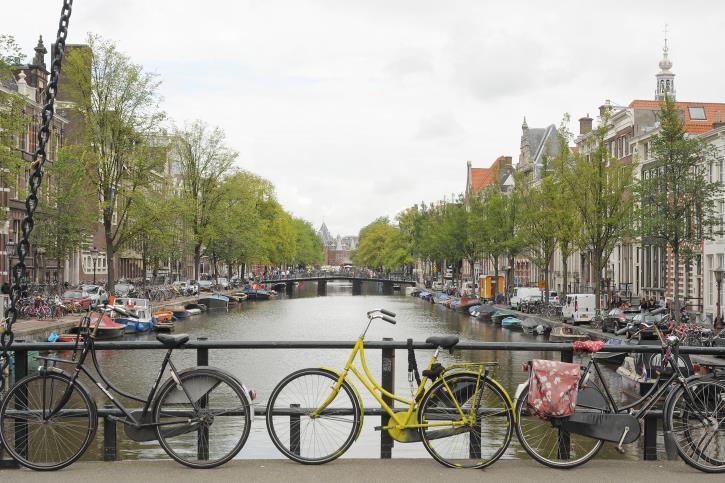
(665,78)
(40,51)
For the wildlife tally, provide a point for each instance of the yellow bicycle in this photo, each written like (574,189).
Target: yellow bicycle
(464,418)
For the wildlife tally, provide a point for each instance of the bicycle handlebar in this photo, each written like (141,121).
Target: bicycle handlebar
(388,319)
(388,313)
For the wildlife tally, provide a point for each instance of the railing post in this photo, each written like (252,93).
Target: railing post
(650,437)
(388,383)
(202,434)
(294,430)
(564,449)
(110,448)
(20,370)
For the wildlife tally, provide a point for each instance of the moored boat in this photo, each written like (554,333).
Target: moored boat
(180,313)
(107,328)
(565,334)
(201,307)
(165,326)
(215,301)
(164,315)
(612,357)
(499,315)
(143,320)
(512,323)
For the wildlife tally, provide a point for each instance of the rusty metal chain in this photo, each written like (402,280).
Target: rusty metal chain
(31,202)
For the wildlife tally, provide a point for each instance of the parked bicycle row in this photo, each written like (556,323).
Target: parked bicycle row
(464,417)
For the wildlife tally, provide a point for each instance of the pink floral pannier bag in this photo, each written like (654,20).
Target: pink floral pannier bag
(553,388)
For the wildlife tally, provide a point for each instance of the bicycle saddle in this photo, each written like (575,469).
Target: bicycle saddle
(172,340)
(446,342)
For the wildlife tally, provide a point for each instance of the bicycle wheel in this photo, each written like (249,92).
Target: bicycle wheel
(302,437)
(474,445)
(551,446)
(219,425)
(41,443)
(697,424)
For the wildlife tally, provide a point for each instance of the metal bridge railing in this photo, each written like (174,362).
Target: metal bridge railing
(387,347)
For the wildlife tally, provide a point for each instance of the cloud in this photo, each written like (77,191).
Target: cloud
(439,126)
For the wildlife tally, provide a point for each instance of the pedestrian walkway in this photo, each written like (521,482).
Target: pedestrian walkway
(365,470)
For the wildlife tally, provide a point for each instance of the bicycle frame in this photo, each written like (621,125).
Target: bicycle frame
(404,419)
(109,389)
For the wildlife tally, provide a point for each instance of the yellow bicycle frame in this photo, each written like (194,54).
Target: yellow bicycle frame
(406,419)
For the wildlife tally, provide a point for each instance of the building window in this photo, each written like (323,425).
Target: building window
(697,113)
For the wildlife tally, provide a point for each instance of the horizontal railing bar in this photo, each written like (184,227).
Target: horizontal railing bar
(299,344)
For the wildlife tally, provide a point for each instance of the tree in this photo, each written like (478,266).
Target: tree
(308,246)
(64,218)
(677,201)
(204,161)
(382,246)
(601,190)
(116,103)
(13,121)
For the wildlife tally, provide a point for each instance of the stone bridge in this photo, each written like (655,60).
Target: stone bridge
(388,281)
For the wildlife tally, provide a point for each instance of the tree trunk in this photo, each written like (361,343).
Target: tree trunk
(61,276)
(111,270)
(676,288)
(197,260)
(510,278)
(565,280)
(597,262)
(143,268)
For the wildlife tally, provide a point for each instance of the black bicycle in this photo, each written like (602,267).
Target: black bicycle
(694,417)
(201,416)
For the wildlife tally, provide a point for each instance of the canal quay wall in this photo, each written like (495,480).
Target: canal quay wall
(364,470)
(35,330)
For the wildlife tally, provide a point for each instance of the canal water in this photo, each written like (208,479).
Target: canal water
(304,316)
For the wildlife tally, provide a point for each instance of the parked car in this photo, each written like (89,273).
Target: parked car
(645,326)
(123,288)
(204,285)
(77,297)
(618,319)
(553,297)
(523,292)
(96,293)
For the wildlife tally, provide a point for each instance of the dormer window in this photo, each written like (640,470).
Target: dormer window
(697,113)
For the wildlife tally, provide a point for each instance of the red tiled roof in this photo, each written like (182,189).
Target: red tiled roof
(481,178)
(714,112)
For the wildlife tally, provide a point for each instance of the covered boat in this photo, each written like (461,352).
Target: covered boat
(529,325)
(565,334)
(639,371)
(257,294)
(499,315)
(473,310)
(512,323)
(215,301)
(485,312)
(180,313)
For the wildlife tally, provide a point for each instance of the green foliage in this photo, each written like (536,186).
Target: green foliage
(308,246)
(676,196)
(13,120)
(116,103)
(600,188)
(382,246)
(64,217)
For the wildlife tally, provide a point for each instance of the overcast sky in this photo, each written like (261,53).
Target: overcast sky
(359,109)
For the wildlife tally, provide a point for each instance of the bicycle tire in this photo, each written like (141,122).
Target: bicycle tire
(71,436)
(182,442)
(709,394)
(437,403)
(523,418)
(280,425)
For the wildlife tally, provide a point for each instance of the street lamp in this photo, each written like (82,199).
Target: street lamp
(10,250)
(718,278)
(94,254)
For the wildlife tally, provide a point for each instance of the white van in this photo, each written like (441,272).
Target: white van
(523,292)
(579,308)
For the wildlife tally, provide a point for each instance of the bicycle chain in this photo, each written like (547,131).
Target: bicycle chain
(31,202)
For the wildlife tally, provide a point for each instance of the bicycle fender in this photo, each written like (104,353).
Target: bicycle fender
(519,389)
(338,373)
(245,391)
(494,382)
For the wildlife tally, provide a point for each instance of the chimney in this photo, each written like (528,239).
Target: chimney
(718,122)
(585,124)
(604,108)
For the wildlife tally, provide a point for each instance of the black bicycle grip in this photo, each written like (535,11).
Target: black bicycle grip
(387,312)
(388,319)
(622,331)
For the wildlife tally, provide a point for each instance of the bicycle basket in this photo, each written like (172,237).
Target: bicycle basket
(553,388)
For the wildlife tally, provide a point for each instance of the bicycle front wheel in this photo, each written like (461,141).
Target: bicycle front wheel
(480,440)
(38,440)
(308,438)
(205,422)
(696,422)
(549,445)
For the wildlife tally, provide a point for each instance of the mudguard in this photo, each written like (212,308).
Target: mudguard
(616,428)
(338,373)
(201,390)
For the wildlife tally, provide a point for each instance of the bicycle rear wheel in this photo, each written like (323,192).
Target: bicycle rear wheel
(697,424)
(302,437)
(551,446)
(219,425)
(40,442)
(474,445)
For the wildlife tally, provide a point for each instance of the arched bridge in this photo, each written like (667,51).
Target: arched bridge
(356,277)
